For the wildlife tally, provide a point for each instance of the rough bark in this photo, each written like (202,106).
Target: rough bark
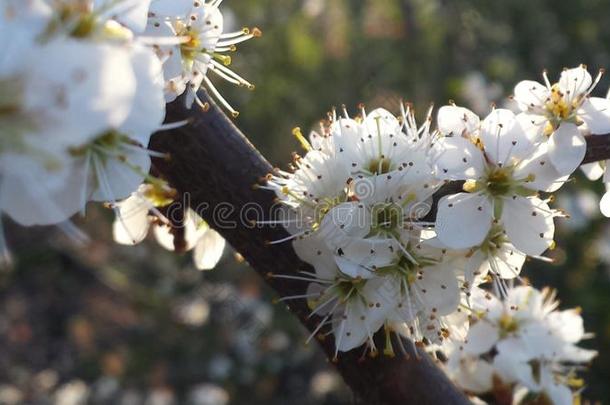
(214,168)
(598,148)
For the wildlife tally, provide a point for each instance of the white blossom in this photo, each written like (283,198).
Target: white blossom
(142,211)
(193,44)
(503,171)
(558,111)
(523,343)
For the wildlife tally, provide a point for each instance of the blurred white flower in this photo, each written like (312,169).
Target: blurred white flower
(208,394)
(193,312)
(140,211)
(75,392)
(324,383)
(160,396)
(69,99)
(478,92)
(10,395)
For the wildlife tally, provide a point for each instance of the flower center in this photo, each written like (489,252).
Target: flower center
(557,106)
(379,166)
(14,120)
(79,20)
(406,269)
(191,48)
(159,193)
(499,181)
(109,144)
(495,239)
(348,288)
(387,218)
(508,325)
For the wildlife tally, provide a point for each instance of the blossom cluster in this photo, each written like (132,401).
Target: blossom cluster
(407,226)
(84,85)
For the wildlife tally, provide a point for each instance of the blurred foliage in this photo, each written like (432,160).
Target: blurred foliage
(141,325)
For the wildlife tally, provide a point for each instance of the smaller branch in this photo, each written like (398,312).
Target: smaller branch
(598,148)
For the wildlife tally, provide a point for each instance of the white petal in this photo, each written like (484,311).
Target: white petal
(483,302)
(575,82)
(380,123)
(343,222)
(531,95)
(559,394)
(503,137)
(133,224)
(148,109)
(508,261)
(567,148)
(604,204)
(457,121)
(345,134)
(545,176)
(76,88)
(533,126)
(208,250)
(593,171)
(349,328)
(481,337)
(381,136)
(575,354)
(473,375)
(364,316)
(122,178)
(210,23)
(353,269)
(438,289)
(505,262)
(131,13)
(477,265)
(529,224)
(595,111)
(314,251)
(164,237)
(567,324)
(512,369)
(606,178)
(371,252)
(31,195)
(193,229)
(463,220)
(456,158)
(170,8)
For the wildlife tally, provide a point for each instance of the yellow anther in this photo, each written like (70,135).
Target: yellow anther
(470,186)
(302,140)
(225,59)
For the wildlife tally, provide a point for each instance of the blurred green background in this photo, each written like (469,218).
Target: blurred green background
(138,325)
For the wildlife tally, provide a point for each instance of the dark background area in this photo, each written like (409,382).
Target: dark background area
(139,325)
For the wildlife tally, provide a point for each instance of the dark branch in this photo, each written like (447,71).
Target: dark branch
(598,148)
(214,167)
